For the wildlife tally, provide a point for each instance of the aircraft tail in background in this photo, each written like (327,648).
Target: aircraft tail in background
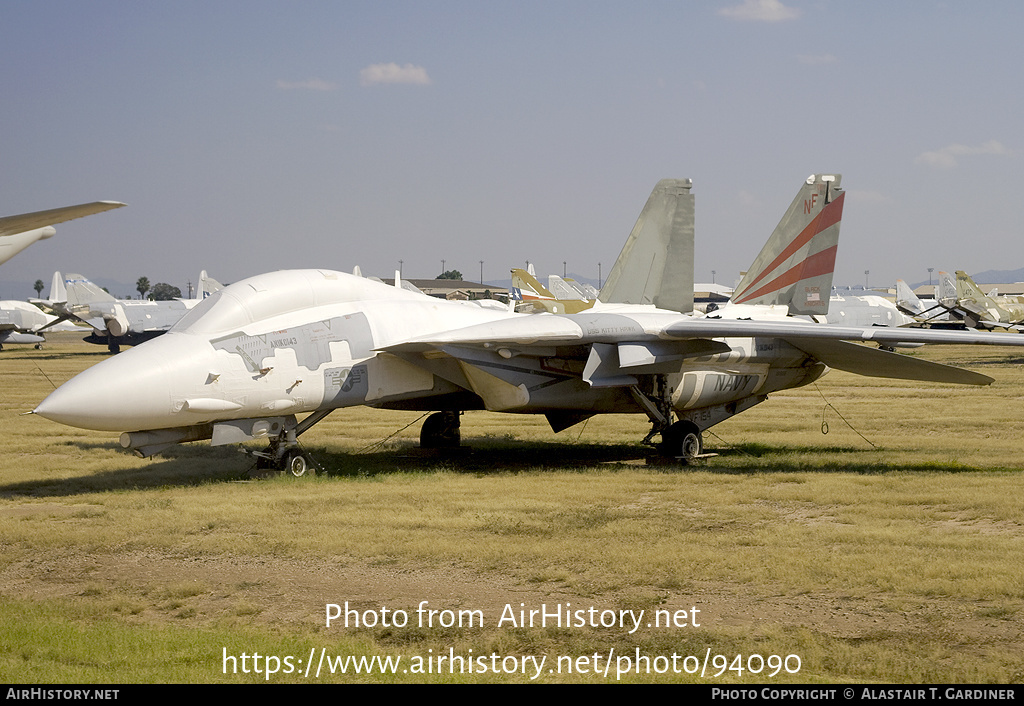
(530,295)
(207,285)
(907,301)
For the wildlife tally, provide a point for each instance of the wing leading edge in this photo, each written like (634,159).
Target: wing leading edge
(668,338)
(11,225)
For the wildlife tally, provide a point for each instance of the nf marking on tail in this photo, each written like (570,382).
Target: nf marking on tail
(796,264)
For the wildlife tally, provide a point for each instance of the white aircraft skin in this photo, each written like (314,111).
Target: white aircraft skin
(245,362)
(867,310)
(20,231)
(19,321)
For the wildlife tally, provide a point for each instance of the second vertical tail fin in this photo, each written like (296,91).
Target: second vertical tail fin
(795,266)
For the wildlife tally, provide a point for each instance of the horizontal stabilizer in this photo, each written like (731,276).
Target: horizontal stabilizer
(874,362)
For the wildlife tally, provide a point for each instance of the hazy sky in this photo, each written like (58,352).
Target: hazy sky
(251,136)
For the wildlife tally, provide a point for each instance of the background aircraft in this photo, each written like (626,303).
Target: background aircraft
(980,310)
(244,363)
(961,303)
(19,322)
(531,296)
(117,322)
(18,232)
(930,313)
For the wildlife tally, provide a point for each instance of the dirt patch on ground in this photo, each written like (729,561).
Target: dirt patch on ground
(154,587)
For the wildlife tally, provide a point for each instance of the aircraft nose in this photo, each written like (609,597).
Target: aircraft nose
(128,392)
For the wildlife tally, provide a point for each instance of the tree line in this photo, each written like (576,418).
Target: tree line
(160,292)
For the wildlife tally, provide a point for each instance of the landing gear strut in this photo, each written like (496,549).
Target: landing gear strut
(284,454)
(681,439)
(441,431)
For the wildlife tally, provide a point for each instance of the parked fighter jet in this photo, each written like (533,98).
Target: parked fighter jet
(531,296)
(244,363)
(960,303)
(925,312)
(19,322)
(989,311)
(117,322)
(18,232)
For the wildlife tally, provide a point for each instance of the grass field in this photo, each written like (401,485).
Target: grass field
(890,549)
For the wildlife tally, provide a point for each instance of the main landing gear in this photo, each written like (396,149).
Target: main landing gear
(680,440)
(441,430)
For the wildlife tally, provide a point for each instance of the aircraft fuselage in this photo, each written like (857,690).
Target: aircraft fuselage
(319,347)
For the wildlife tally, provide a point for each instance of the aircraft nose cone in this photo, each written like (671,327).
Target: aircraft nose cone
(128,392)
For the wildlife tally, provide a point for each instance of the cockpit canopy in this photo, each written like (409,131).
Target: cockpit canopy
(276,293)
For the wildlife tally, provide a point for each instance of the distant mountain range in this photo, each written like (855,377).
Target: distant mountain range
(988,277)
(999,276)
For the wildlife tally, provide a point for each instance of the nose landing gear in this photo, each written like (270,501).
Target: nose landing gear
(284,454)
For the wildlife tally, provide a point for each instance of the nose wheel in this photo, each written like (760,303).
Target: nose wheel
(284,455)
(298,464)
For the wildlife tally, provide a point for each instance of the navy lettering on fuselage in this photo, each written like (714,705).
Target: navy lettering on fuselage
(732,383)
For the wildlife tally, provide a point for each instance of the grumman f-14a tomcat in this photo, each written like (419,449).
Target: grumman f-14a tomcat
(252,359)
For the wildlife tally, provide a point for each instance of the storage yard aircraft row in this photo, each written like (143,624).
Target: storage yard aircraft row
(253,357)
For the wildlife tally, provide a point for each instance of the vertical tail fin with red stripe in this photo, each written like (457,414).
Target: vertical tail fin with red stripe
(796,264)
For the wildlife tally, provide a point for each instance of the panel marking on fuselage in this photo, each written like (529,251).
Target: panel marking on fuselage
(310,342)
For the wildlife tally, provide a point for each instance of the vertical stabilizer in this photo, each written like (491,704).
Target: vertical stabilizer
(82,292)
(907,300)
(526,286)
(656,263)
(967,289)
(795,266)
(208,285)
(57,291)
(564,289)
(946,291)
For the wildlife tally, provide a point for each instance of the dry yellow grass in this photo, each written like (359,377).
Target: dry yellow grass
(893,552)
